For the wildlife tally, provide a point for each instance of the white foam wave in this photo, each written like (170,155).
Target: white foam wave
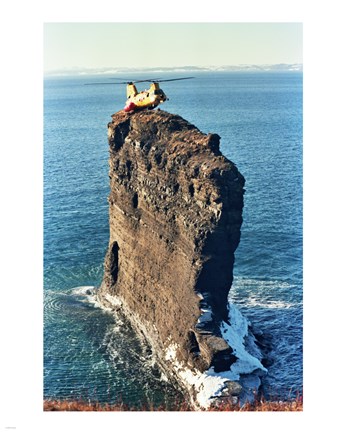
(204,386)
(88,292)
(235,335)
(83,290)
(240,282)
(266,294)
(270,304)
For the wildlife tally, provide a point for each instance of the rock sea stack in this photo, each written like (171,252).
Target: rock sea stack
(175,213)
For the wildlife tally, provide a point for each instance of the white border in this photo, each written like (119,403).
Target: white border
(21,222)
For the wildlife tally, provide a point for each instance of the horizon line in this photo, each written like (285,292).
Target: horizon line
(81,71)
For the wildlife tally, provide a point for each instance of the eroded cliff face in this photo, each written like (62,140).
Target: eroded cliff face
(175,213)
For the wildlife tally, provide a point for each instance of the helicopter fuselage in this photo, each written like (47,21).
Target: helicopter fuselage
(146,99)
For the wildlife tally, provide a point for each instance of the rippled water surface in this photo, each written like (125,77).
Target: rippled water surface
(91,354)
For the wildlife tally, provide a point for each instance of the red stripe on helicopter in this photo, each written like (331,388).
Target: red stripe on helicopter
(130,107)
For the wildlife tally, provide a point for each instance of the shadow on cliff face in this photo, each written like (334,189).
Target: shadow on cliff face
(114,262)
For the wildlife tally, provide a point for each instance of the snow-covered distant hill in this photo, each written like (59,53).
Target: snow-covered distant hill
(284,67)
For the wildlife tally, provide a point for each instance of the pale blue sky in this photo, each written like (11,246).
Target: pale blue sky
(116,45)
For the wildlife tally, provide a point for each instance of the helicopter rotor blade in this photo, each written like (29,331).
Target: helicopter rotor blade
(146,80)
(126,80)
(158,80)
(123,82)
(103,83)
(150,80)
(173,79)
(155,80)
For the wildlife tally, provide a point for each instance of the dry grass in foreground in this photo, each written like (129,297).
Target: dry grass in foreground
(260,405)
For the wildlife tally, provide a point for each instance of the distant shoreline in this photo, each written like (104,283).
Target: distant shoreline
(78,72)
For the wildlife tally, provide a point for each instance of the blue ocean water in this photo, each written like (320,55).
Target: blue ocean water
(91,354)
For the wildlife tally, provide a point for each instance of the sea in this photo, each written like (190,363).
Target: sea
(93,355)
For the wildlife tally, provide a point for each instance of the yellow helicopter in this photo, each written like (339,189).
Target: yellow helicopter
(145,99)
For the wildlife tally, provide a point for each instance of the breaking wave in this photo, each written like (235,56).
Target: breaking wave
(269,307)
